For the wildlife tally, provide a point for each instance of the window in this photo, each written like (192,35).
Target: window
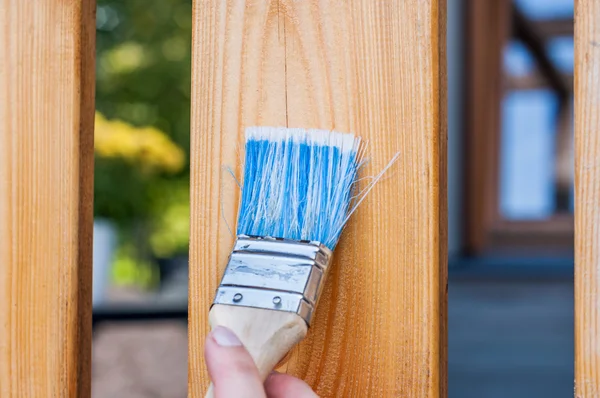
(519,166)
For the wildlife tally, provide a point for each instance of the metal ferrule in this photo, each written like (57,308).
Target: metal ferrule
(275,274)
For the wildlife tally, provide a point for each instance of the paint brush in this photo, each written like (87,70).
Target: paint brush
(298,191)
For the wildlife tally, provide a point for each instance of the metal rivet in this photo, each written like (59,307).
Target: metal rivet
(276,300)
(237,297)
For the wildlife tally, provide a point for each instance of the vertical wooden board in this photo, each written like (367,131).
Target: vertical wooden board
(587,199)
(373,68)
(46,178)
(488,30)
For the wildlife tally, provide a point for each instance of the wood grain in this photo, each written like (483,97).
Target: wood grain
(587,199)
(488,31)
(46,179)
(373,68)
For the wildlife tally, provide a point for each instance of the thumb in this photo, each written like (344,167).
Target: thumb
(230,367)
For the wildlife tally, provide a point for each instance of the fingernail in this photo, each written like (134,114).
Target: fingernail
(225,337)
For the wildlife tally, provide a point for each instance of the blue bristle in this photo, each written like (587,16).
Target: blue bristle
(298,184)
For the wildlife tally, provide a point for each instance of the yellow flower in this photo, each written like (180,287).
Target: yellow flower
(148,147)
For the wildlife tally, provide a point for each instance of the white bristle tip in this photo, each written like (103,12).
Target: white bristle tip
(346,142)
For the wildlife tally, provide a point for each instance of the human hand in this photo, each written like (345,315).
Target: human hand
(234,374)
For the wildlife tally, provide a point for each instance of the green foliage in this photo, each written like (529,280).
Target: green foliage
(121,195)
(143,64)
(129,162)
(143,80)
(129,269)
(171,219)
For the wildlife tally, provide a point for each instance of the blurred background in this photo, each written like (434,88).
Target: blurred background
(510,174)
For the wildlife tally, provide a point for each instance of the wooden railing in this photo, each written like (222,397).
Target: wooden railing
(373,67)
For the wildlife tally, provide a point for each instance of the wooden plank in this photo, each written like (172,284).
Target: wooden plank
(534,81)
(550,28)
(46,178)
(525,30)
(488,28)
(373,68)
(587,198)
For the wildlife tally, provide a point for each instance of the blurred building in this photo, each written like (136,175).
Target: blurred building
(511,198)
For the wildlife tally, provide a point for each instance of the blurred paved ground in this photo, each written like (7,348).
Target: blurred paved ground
(510,339)
(140,360)
(507,339)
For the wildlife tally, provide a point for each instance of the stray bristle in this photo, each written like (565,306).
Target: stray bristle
(298,184)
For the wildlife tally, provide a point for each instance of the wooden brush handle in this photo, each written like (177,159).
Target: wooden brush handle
(268,335)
